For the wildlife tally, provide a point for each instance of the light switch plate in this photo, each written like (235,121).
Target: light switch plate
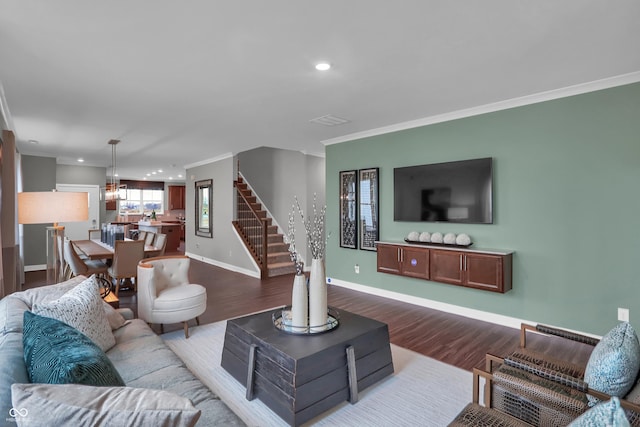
(623,314)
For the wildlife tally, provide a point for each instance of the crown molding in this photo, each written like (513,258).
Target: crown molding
(6,121)
(207,161)
(496,106)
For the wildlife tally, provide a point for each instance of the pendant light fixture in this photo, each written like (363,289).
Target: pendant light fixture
(112,192)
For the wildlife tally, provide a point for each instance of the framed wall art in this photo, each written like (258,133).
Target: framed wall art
(368,208)
(348,209)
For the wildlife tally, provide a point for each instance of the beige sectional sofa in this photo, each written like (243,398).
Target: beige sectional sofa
(144,362)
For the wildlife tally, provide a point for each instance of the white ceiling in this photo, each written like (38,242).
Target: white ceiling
(182,82)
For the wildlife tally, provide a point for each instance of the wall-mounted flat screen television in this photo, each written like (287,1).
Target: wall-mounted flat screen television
(458,191)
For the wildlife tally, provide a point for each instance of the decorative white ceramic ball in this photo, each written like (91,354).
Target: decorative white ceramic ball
(450,239)
(436,237)
(425,236)
(413,236)
(463,240)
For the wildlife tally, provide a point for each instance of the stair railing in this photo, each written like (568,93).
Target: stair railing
(252,228)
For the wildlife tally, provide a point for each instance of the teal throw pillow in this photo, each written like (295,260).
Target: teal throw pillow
(608,414)
(56,353)
(614,362)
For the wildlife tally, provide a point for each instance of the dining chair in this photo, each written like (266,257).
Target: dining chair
(126,255)
(160,242)
(81,267)
(149,238)
(142,235)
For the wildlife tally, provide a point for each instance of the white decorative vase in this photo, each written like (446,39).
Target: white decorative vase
(317,297)
(299,304)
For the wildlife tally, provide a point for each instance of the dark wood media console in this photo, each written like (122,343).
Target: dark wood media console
(485,269)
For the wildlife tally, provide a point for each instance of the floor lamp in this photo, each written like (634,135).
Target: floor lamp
(48,207)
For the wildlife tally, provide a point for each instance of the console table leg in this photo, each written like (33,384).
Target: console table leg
(251,370)
(353,377)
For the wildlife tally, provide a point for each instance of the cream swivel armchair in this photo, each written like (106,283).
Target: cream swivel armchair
(165,294)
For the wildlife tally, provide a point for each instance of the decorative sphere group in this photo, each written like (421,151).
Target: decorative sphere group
(461,239)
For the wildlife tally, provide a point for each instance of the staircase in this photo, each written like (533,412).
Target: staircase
(260,236)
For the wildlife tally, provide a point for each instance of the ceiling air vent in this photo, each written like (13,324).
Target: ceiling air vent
(329,120)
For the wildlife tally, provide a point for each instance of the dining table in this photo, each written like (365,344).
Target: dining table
(95,249)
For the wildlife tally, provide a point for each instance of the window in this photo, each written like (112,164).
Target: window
(141,201)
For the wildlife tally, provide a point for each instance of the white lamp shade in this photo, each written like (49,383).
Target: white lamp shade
(44,207)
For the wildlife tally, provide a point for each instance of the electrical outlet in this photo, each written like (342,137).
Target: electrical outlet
(623,314)
(356,268)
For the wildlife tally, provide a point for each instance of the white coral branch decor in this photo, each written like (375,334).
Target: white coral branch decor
(290,238)
(314,228)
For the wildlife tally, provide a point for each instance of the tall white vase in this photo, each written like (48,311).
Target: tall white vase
(299,304)
(317,297)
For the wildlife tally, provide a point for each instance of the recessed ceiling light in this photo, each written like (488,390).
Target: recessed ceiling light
(323,66)
(116,175)
(159,170)
(81,160)
(148,174)
(33,141)
(170,178)
(180,176)
(154,172)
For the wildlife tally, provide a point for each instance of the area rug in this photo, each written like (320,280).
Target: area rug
(421,392)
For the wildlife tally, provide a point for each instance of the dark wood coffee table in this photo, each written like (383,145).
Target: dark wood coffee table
(301,376)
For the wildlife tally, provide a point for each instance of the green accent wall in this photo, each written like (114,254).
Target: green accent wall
(566,194)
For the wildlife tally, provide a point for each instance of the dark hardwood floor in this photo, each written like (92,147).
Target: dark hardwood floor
(456,340)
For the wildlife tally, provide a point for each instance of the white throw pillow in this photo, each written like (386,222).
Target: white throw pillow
(81,308)
(116,321)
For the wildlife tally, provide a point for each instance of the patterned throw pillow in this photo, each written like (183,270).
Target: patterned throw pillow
(82,308)
(56,353)
(614,362)
(608,414)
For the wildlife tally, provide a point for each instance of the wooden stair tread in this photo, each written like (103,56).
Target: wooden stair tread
(278,259)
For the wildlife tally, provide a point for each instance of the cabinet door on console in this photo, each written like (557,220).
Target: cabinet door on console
(446,266)
(415,262)
(485,272)
(388,259)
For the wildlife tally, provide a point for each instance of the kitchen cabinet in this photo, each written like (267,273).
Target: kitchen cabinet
(488,270)
(176,197)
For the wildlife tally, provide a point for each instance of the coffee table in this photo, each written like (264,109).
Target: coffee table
(301,376)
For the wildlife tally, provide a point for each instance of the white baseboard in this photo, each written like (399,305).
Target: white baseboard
(224,265)
(485,316)
(36,267)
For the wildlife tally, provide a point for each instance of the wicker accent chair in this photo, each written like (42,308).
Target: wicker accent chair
(542,390)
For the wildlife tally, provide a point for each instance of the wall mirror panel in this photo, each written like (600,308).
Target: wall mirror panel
(348,208)
(204,198)
(368,208)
